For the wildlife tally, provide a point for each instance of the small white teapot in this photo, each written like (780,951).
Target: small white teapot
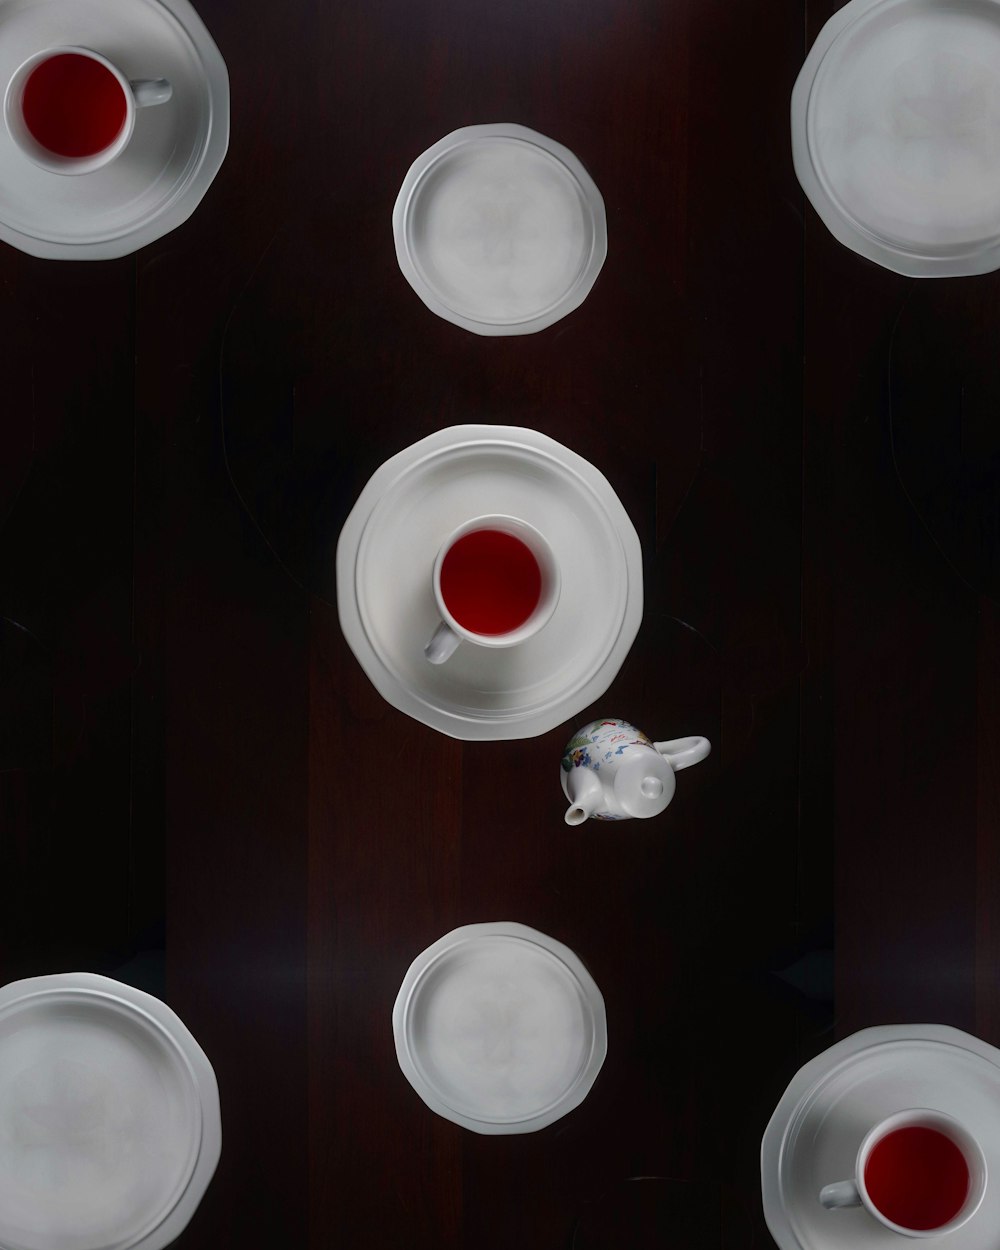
(611,771)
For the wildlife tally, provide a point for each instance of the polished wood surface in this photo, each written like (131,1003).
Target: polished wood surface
(202,794)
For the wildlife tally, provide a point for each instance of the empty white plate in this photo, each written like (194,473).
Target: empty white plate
(109,1117)
(385,558)
(500,229)
(813,1137)
(500,1028)
(896,133)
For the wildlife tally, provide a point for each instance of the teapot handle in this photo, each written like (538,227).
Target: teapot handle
(683,752)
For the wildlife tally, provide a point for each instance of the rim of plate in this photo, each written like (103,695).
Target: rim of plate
(896,255)
(470,724)
(191,185)
(590,997)
(166,1225)
(587,190)
(806,1085)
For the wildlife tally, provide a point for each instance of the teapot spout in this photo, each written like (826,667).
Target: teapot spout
(586,795)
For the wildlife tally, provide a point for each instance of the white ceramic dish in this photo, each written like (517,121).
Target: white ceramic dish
(500,1028)
(175,152)
(896,133)
(813,1137)
(385,597)
(109,1117)
(499,229)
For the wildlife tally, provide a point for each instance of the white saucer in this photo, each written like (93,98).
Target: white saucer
(174,154)
(109,1117)
(385,557)
(500,229)
(500,1028)
(896,133)
(813,1137)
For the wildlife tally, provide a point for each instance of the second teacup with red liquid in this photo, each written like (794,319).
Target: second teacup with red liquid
(919,1173)
(71,111)
(496,584)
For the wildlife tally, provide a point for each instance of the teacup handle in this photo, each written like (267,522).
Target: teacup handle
(149,91)
(840,1194)
(443,644)
(683,752)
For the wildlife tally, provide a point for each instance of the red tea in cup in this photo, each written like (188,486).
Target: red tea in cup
(491,582)
(73,105)
(917,1177)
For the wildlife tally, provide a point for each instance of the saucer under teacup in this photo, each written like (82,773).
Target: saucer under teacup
(833,1102)
(175,151)
(385,598)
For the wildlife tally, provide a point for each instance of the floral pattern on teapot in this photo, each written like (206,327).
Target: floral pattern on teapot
(599,742)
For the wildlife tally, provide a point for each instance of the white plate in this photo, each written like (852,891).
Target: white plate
(500,1028)
(174,154)
(832,1102)
(385,557)
(109,1117)
(500,229)
(896,133)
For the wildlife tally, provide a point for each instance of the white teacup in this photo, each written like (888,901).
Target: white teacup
(456,625)
(855,1192)
(140,93)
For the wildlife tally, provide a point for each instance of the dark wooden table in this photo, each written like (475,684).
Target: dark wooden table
(202,794)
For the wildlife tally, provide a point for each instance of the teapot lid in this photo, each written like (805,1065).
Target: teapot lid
(644,784)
